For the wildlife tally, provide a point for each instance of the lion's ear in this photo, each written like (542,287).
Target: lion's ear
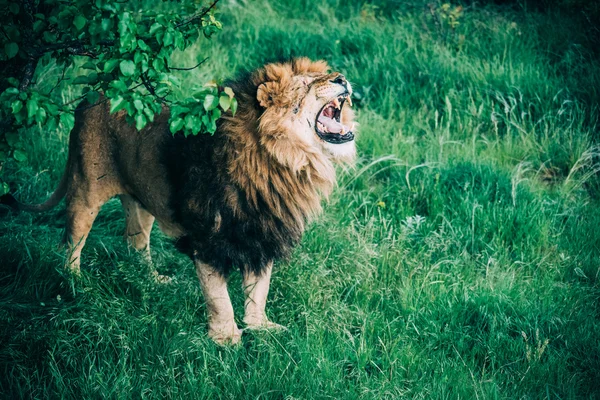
(264,94)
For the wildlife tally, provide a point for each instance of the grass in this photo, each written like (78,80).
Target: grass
(459,259)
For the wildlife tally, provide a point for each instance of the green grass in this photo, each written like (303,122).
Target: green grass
(459,259)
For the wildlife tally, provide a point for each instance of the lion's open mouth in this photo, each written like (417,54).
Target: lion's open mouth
(328,125)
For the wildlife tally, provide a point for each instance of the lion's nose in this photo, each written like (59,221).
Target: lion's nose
(340,80)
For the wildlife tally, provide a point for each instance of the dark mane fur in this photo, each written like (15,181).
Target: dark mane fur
(226,226)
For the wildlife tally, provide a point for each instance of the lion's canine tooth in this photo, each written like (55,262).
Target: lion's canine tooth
(343,132)
(336,103)
(349,100)
(352,127)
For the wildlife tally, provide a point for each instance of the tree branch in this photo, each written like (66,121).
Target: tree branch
(28,74)
(62,78)
(197,16)
(79,108)
(75,47)
(152,90)
(189,69)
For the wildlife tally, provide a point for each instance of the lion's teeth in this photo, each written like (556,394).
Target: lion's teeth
(349,100)
(352,127)
(321,127)
(343,132)
(336,103)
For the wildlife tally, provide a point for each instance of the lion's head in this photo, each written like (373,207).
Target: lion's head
(305,107)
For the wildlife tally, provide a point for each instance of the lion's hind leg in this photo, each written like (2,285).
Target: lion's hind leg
(138,227)
(80,217)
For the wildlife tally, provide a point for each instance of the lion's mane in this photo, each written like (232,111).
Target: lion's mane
(244,195)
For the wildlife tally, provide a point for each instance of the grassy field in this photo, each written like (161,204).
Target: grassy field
(459,259)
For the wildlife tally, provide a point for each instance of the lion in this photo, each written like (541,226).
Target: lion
(240,198)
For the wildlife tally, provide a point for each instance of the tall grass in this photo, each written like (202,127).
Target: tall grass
(460,258)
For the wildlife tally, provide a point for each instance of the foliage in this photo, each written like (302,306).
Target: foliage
(120,53)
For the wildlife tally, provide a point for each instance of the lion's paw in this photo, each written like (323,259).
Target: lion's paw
(265,325)
(225,334)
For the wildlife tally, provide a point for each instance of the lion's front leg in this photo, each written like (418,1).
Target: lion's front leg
(256,290)
(221,323)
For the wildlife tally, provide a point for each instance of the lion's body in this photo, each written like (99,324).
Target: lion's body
(240,198)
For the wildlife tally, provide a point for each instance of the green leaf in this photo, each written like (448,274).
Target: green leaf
(106,24)
(127,67)
(210,102)
(158,64)
(20,155)
(79,22)
(149,114)
(4,188)
(13,81)
(11,49)
(190,122)
(49,37)
(138,104)
(123,24)
(155,28)
(131,110)
(32,108)
(40,115)
(16,106)
(51,124)
(92,97)
(228,91)
(162,90)
(38,26)
(234,105)
(140,121)
(52,109)
(179,41)
(81,80)
(120,85)
(138,57)
(92,78)
(142,45)
(168,39)
(89,65)
(174,80)
(116,104)
(224,102)
(211,127)
(176,125)
(110,65)
(67,120)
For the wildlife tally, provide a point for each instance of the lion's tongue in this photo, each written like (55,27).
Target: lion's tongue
(331,124)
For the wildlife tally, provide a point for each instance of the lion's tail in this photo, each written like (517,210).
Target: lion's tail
(55,198)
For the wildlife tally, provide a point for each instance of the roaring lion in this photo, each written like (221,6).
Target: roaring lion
(238,199)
